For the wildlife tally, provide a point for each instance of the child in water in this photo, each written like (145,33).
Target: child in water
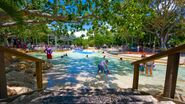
(142,65)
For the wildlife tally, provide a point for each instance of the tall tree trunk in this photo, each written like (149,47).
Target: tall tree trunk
(56,41)
(163,44)
(36,41)
(154,45)
(163,41)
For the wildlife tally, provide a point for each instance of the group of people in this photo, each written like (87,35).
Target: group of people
(15,42)
(146,67)
(102,66)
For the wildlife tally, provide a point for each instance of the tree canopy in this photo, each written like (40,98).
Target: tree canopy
(120,21)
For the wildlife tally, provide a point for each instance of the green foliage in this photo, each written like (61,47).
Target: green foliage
(177,40)
(166,21)
(99,40)
(78,41)
(11,8)
(132,15)
(91,43)
(113,21)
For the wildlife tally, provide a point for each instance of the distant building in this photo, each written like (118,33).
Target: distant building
(65,39)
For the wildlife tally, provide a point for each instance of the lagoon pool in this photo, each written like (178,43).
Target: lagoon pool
(78,71)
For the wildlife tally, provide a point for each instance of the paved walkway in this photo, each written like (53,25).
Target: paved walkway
(89,96)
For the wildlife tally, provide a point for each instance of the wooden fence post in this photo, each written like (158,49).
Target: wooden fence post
(3,84)
(135,77)
(39,75)
(171,75)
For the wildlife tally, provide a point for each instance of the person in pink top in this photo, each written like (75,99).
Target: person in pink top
(48,51)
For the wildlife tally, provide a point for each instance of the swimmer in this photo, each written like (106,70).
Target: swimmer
(64,55)
(121,58)
(104,56)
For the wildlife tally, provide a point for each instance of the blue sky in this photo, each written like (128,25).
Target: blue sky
(68,8)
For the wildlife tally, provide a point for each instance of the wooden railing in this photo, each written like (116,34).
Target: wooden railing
(171,72)
(3,84)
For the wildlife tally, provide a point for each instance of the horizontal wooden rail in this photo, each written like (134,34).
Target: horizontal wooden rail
(3,84)
(20,54)
(162,54)
(171,71)
(3,88)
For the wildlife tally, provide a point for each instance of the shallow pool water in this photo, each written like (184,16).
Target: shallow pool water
(78,71)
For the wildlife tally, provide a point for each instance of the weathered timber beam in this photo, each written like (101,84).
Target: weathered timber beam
(171,75)
(8,24)
(3,84)
(162,54)
(135,77)
(20,54)
(39,75)
(49,17)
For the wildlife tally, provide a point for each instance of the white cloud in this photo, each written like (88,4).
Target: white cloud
(79,33)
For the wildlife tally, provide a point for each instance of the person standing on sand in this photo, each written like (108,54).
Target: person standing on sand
(182,62)
(149,67)
(103,67)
